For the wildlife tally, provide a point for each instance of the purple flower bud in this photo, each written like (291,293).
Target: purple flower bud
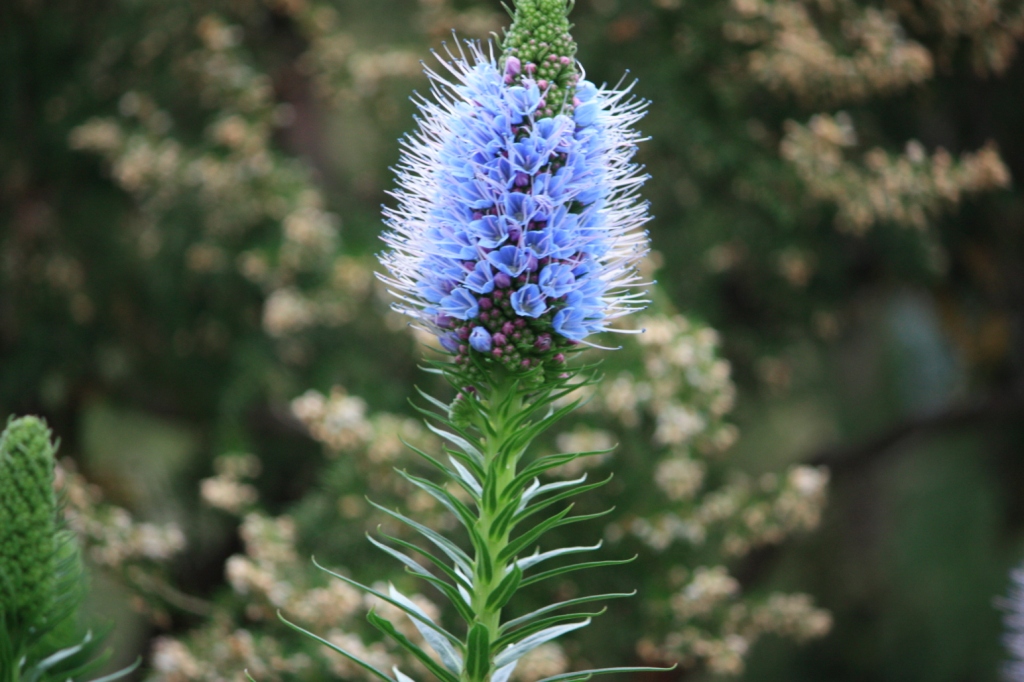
(522,179)
(443,321)
(497,352)
(502,280)
(507,328)
(499,339)
(559,357)
(530,68)
(513,66)
(485,303)
(565,61)
(525,364)
(543,85)
(463,333)
(543,342)
(480,339)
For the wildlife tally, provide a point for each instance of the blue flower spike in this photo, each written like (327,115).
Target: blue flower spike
(518,223)
(515,238)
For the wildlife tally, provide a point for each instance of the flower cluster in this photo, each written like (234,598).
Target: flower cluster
(515,236)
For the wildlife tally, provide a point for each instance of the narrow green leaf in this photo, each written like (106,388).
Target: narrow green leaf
(450,654)
(118,674)
(458,441)
(503,521)
(587,674)
(524,437)
(432,400)
(505,589)
(529,617)
(385,626)
(400,676)
(471,464)
(490,498)
(561,570)
(554,499)
(538,556)
(333,647)
(542,464)
(535,489)
(478,652)
(529,537)
(413,613)
(454,596)
(483,556)
(450,502)
(431,558)
(521,648)
(541,624)
(404,558)
(468,480)
(64,654)
(439,541)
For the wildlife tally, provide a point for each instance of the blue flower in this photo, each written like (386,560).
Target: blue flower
(511,260)
(529,301)
(480,339)
(556,280)
(514,223)
(481,280)
(460,304)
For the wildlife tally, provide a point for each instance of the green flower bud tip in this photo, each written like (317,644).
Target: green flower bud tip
(28,519)
(539,46)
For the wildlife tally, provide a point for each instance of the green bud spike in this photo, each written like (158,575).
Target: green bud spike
(28,520)
(539,38)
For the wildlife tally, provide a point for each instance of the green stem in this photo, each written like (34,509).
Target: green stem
(505,403)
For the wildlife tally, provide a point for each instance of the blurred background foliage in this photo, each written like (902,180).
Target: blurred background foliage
(189,208)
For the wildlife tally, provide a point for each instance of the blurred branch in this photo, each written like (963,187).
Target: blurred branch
(1002,410)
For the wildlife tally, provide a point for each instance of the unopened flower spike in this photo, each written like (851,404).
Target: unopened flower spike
(518,226)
